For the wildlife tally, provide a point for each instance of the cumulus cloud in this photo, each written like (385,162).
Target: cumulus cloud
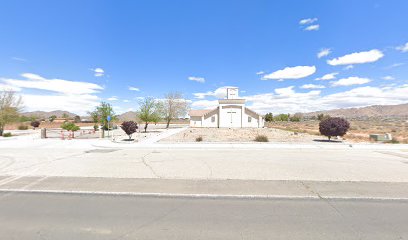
(260,73)
(126,100)
(220,93)
(403,48)
(197,79)
(134,89)
(98,72)
(323,52)
(287,100)
(357,58)
(307,21)
(314,27)
(350,81)
(328,76)
(60,94)
(113,98)
(312,86)
(291,73)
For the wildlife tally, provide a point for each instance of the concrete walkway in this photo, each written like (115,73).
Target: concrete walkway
(165,134)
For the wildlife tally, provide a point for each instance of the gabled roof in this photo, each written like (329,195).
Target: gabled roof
(200,113)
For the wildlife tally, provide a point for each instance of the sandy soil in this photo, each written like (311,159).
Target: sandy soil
(240,135)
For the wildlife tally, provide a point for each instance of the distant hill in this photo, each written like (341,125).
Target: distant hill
(42,114)
(127,116)
(379,111)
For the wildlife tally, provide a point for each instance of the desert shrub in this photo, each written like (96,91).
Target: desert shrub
(261,138)
(22,127)
(129,127)
(322,116)
(35,124)
(331,127)
(8,134)
(69,126)
(394,141)
(281,118)
(199,139)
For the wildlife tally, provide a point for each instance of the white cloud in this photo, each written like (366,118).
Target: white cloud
(113,98)
(312,27)
(126,101)
(260,73)
(286,100)
(388,78)
(6,87)
(197,79)
(134,89)
(291,73)
(350,81)
(98,72)
(307,21)
(34,81)
(19,59)
(348,67)
(323,52)
(219,93)
(394,65)
(74,96)
(312,86)
(403,48)
(357,58)
(328,76)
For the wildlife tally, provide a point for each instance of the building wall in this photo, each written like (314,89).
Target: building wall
(231,116)
(195,122)
(208,120)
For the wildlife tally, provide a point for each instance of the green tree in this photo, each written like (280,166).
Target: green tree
(101,114)
(65,115)
(149,111)
(173,106)
(52,118)
(10,106)
(269,117)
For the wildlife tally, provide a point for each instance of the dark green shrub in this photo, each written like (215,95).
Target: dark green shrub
(8,134)
(69,126)
(261,138)
(22,127)
(269,117)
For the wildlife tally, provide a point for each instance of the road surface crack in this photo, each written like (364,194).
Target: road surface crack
(144,160)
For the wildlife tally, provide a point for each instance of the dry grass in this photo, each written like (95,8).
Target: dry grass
(359,130)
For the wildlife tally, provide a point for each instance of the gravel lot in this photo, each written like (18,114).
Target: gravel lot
(240,135)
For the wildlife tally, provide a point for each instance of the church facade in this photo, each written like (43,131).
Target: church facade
(230,113)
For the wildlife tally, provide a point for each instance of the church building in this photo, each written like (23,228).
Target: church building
(230,113)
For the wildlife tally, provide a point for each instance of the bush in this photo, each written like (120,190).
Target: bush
(261,138)
(199,139)
(69,126)
(129,127)
(35,124)
(7,134)
(281,118)
(269,117)
(22,127)
(322,116)
(331,127)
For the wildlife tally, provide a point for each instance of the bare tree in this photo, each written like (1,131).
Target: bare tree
(10,106)
(174,106)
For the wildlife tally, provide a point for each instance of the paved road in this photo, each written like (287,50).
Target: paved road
(66,216)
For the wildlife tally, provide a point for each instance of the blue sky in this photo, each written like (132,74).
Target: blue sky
(71,55)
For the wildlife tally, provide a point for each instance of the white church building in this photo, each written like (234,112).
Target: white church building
(230,113)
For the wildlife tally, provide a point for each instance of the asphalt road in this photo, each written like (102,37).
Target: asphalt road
(70,216)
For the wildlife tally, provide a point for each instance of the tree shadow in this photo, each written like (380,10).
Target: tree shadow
(327,141)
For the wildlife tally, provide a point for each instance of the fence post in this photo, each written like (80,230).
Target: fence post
(43,133)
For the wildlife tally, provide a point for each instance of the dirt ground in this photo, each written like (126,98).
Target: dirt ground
(359,129)
(240,135)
